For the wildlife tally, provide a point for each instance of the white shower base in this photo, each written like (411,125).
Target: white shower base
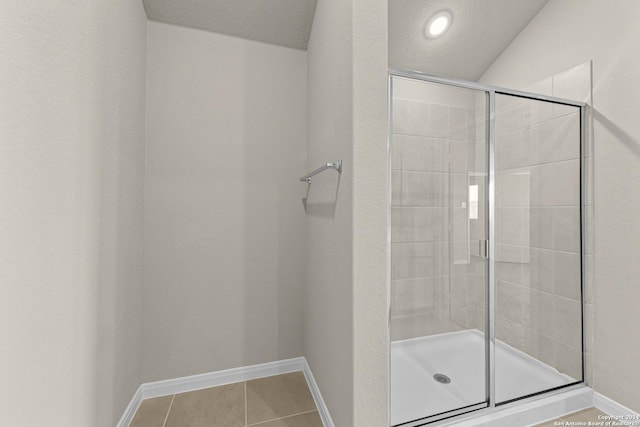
(461,356)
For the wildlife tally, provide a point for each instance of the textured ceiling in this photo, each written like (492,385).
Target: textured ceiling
(480,30)
(282,22)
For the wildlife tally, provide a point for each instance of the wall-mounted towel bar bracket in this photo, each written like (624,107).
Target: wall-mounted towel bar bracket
(335,165)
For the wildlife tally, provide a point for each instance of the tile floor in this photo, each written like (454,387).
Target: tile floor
(278,401)
(586,415)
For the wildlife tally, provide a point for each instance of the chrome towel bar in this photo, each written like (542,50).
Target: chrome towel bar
(335,165)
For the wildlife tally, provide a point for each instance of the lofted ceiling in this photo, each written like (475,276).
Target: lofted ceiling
(281,22)
(480,30)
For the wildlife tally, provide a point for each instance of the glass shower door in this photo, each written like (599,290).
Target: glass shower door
(439,227)
(538,264)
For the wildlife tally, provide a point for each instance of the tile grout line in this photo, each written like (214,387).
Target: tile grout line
(285,417)
(246,418)
(166,417)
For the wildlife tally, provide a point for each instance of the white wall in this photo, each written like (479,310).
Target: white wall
(567,33)
(328,321)
(71,184)
(345,335)
(224,220)
(370,213)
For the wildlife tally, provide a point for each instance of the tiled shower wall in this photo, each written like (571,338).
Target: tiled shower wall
(437,273)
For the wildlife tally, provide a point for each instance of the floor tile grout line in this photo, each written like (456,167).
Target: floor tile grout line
(246,417)
(282,418)
(166,417)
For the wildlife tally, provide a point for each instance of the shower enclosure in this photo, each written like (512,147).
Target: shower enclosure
(486,246)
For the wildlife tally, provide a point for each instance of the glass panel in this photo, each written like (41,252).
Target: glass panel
(538,247)
(438,260)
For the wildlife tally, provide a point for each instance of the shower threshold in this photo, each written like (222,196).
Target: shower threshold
(418,366)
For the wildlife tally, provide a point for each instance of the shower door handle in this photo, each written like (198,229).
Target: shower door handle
(483,248)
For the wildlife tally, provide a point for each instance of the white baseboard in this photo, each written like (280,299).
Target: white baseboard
(317,396)
(214,379)
(132,407)
(228,376)
(612,407)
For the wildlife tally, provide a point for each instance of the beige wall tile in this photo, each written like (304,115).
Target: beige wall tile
(567,326)
(459,189)
(513,272)
(459,225)
(419,259)
(411,117)
(477,291)
(543,348)
(419,224)
(542,270)
(556,184)
(418,295)
(566,229)
(460,253)
(513,302)
(458,299)
(569,360)
(567,274)
(589,327)
(590,237)
(459,156)
(514,188)
(542,313)
(588,171)
(556,140)
(436,322)
(477,318)
(588,369)
(472,126)
(589,284)
(513,225)
(512,253)
(478,163)
(541,222)
(513,334)
(513,149)
(478,227)
(475,266)
(460,124)
(437,124)
(415,153)
(429,189)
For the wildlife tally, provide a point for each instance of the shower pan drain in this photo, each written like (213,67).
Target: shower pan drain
(442,378)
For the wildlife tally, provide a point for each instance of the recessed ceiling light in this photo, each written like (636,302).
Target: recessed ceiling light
(438,24)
